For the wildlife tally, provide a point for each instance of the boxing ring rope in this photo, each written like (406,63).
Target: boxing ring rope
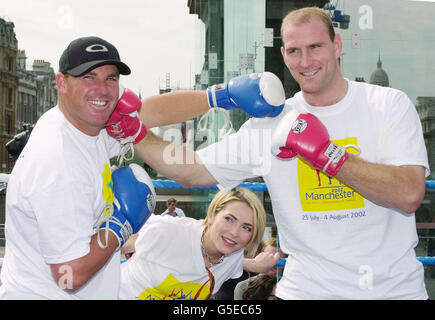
(169,184)
(426,261)
(254,186)
(260,186)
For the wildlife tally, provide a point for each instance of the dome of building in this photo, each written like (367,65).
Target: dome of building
(379,76)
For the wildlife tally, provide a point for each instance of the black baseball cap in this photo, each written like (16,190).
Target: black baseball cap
(87,53)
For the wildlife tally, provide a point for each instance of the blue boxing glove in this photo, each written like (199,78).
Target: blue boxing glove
(134,201)
(258,94)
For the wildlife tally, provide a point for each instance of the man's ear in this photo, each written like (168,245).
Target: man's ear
(61,82)
(338,45)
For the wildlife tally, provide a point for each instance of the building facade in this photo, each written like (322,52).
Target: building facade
(27,93)
(24,94)
(8,89)
(46,86)
(379,76)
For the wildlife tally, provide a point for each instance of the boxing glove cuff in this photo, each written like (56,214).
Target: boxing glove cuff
(116,223)
(122,230)
(336,156)
(218,97)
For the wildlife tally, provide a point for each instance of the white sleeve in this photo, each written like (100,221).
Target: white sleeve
(64,213)
(239,156)
(402,135)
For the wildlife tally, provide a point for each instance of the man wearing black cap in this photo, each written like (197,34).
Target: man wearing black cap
(85,54)
(60,200)
(61,186)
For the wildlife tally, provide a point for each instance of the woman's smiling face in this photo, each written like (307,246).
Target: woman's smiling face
(231,229)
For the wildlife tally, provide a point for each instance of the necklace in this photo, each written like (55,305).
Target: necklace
(204,252)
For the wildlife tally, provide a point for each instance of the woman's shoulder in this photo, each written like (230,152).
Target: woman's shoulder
(169,224)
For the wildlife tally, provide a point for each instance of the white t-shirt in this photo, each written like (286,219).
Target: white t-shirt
(178,213)
(340,245)
(57,190)
(168,263)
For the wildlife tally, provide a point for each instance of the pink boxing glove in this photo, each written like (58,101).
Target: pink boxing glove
(303,134)
(124,123)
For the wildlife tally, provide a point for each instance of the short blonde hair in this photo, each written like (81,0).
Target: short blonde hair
(304,15)
(244,195)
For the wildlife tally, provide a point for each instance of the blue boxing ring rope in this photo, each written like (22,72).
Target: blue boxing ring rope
(169,184)
(260,186)
(254,186)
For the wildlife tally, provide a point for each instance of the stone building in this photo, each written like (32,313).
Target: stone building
(426,111)
(27,93)
(24,94)
(8,88)
(46,86)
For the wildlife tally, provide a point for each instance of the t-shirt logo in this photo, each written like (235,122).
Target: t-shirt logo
(96,48)
(299,126)
(108,194)
(172,289)
(320,192)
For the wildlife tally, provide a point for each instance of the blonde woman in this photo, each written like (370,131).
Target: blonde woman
(190,259)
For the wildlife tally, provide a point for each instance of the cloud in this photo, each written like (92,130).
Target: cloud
(153,37)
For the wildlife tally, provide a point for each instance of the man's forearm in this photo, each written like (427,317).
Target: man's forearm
(72,275)
(175,107)
(173,161)
(400,187)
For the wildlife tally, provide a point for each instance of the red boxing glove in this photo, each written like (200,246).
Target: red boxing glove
(303,134)
(124,123)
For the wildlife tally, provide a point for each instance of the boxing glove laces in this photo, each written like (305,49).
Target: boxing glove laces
(124,123)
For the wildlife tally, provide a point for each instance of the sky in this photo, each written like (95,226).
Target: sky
(153,37)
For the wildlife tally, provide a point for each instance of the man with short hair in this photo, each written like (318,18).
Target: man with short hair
(346,221)
(172,209)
